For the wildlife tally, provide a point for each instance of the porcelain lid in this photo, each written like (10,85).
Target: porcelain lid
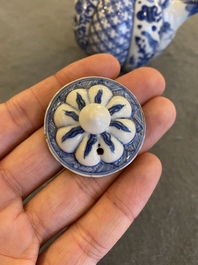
(94,126)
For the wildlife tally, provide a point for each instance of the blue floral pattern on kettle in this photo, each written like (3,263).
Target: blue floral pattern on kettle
(134,31)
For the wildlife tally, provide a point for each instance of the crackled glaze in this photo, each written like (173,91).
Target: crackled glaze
(134,31)
(94,126)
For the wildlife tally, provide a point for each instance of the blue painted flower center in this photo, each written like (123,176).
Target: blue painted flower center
(94,118)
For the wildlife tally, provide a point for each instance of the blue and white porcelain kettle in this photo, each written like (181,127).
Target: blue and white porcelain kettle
(134,31)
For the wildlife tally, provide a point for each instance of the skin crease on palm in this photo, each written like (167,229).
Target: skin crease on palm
(96,211)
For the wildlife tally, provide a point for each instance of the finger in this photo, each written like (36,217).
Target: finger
(160,114)
(28,166)
(24,113)
(59,208)
(95,233)
(34,158)
(142,82)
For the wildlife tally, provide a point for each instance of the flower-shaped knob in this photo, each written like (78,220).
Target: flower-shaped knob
(94,126)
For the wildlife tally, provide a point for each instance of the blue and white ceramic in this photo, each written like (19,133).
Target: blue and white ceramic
(94,126)
(134,31)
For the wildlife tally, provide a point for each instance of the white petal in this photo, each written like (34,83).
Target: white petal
(92,159)
(108,156)
(62,119)
(106,94)
(69,145)
(73,95)
(123,136)
(125,111)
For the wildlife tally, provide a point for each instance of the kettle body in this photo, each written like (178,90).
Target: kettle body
(134,31)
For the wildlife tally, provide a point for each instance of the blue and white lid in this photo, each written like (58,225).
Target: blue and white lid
(94,126)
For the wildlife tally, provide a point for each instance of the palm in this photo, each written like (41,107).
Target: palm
(19,244)
(96,211)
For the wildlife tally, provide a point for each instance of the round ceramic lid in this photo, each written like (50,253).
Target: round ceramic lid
(94,126)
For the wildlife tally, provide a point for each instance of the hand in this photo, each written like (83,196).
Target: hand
(96,211)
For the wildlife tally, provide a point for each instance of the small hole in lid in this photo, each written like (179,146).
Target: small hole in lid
(100,151)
